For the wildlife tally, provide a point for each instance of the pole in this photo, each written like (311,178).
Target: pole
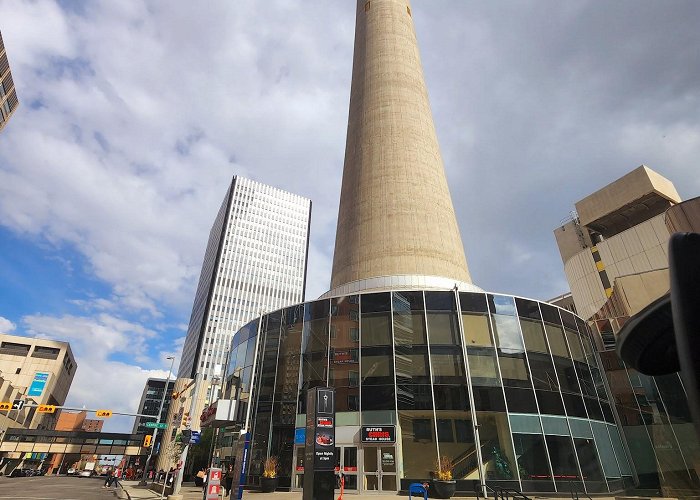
(155,430)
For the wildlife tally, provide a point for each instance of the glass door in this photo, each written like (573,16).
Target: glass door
(379,472)
(346,462)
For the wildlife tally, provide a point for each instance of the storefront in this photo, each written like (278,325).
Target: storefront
(510,390)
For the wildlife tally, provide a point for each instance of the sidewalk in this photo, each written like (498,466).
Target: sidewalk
(195,493)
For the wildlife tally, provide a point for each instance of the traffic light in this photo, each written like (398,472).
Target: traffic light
(147,441)
(186,420)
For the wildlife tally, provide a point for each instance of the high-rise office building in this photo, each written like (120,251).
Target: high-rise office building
(8,94)
(615,253)
(508,389)
(255,262)
(150,403)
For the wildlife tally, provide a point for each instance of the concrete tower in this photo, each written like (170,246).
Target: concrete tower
(396,216)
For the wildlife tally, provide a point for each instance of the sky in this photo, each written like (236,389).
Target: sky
(135,115)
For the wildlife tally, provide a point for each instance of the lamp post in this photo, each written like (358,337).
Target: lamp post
(155,430)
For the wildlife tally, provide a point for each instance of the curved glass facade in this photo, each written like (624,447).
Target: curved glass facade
(509,389)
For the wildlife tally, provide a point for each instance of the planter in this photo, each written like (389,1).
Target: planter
(444,489)
(268,484)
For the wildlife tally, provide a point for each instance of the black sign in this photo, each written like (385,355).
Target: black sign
(17,404)
(320,430)
(378,434)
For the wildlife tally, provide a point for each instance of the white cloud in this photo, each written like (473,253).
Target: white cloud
(6,326)
(115,358)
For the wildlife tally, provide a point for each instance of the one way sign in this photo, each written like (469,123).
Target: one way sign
(18,404)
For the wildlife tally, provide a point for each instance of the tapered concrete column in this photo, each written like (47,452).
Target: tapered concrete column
(396,215)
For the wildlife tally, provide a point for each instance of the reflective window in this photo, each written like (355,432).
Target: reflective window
(497,451)
(555,336)
(482,367)
(473,302)
(533,334)
(563,460)
(477,330)
(533,464)
(345,354)
(418,443)
(508,334)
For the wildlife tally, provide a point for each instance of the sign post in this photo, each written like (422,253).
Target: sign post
(213,491)
(319,459)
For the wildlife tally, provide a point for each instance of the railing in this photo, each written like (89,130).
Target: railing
(502,493)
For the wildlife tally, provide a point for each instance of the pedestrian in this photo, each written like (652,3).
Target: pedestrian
(108,479)
(199,479)
(228,479)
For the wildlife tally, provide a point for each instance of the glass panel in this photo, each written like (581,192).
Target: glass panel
(477,331)
(448,365)
(514,370)
(378,397)
(555,336)
(488,398)
(497,451)
(543,376)
(520,400)
(580,428)
(412,365)
(550,402)
(389,482)
(528,309)
(501,304)
(472,302)
(567,375)
(376,329)
(388,454)
(371,464)
(563,460)
(377,366)
(550,314)
(418,443)
(533,465)
(344,354)
(409,319)
(605,448)
(588,459)
(508,336)
(482,367)
(619,451)
(442,328)
(315,346)
(533,333)
(575,346)
(414,397)
(350,461)
(451,397)
(555,426)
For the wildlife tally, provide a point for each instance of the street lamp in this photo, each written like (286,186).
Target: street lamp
(155,430)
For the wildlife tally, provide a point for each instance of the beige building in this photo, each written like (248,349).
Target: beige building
(396,223)
(614,248)
(8,95)
(37,371)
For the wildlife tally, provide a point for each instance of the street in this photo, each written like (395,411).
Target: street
(52,487)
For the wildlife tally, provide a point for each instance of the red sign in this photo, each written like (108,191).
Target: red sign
(213,490)
(324,422)
(215,475)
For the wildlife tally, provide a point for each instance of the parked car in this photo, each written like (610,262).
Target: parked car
(18,473)
(87,473)
(71,471)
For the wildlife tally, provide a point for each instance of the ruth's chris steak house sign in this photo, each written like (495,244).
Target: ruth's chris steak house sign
(378,434)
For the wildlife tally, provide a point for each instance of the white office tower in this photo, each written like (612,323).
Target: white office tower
(255,262)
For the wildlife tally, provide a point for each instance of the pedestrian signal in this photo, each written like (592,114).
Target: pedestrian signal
(103,413)
(46,409)
(147,441)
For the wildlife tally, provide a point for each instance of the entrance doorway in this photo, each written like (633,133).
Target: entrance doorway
(379,471)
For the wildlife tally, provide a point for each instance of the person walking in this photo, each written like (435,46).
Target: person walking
(108,479)
(228,479)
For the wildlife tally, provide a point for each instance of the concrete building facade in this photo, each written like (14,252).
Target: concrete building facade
(8,94)
(615,255)
(39,372)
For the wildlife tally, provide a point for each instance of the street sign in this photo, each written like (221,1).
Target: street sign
(17,404)
(213,490)
(46,409)
(5,406)
(156,425)
(103,413)
(195,437)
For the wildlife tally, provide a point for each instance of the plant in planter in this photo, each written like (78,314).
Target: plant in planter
(269,479)
(445,486)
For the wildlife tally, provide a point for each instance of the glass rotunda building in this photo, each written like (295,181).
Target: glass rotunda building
(425,365)
(508,388)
